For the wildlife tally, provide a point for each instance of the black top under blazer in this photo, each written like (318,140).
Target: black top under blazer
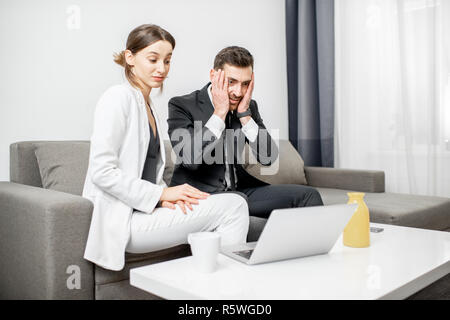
(151,161)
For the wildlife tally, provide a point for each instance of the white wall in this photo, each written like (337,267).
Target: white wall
(55,66)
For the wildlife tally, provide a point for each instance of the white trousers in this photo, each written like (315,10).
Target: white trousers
(225,213)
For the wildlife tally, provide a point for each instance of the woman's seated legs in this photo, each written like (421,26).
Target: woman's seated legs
(225,213)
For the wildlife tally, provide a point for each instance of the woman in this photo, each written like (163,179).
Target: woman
(134,210)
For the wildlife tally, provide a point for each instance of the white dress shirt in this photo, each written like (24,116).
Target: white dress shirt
(216,125)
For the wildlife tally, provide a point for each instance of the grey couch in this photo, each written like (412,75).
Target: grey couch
(44,222)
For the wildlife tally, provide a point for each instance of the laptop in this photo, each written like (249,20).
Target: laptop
(294,233)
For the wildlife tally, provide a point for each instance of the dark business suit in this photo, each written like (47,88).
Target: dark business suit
(188,115)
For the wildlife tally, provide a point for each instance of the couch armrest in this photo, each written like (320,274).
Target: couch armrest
(43,234)
(346,179)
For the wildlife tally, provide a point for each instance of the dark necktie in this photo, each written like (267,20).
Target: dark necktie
(230,144)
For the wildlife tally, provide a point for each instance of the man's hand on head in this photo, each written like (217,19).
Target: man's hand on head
(220,94)
(245,102)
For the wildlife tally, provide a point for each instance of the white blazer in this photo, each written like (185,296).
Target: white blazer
(113,182)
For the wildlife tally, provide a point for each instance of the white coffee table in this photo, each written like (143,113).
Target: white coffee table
(399,262)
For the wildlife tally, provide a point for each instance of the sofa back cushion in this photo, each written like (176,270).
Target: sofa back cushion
(289,168)
(63,165)
(24,167)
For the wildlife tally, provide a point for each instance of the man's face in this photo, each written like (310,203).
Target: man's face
(238,81)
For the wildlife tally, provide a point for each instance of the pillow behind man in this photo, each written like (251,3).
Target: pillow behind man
(288,169)
(63,165)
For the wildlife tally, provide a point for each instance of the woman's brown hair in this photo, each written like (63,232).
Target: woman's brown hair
(138,39)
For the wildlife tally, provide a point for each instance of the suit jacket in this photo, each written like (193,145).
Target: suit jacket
(188,115)
(118,150)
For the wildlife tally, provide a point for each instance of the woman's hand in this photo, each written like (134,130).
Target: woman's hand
(181,204)
(183,195)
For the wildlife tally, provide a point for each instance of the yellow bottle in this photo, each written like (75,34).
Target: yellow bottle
(357,231)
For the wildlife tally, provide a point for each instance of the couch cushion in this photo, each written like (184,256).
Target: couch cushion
(288,169)
(63,165)
(23,166)
(133,260)
(399,209)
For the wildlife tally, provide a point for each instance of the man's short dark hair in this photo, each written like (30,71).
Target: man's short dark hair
(235,56)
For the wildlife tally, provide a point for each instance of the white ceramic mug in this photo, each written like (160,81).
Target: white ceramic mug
(205,249)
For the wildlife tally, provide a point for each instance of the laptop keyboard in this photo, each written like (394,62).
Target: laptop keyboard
(244,253)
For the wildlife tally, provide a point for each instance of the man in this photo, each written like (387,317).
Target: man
(199,126)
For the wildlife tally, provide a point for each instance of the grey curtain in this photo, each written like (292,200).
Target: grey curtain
(310,66)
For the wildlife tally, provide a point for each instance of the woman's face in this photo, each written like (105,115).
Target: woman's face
(151,64)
